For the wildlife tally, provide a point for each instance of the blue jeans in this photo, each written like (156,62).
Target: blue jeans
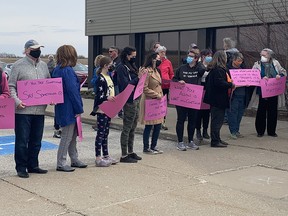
(235,113)
(155,135)
(28,137)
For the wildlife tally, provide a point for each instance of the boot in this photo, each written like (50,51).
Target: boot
(205,134)
(198,134)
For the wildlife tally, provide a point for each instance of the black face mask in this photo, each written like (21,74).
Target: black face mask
(132,60)
(35,53)
(158,62)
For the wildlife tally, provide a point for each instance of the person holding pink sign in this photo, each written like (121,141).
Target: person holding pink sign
(104,92)
(4,88)
(152,90)
(67,112)
(267,111)
(29,120)
(191,73)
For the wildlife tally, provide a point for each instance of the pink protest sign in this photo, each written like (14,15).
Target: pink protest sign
(7,113)
(186,95)
(40,91)
(245,77)
(111,108)
(140,86)
(273,87)
(79,128)
(204,106)
(155,109)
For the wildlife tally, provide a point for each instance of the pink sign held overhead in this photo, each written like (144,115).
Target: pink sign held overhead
(186,95)
(273,87)
(245,77)
(40,91)
(79,128)
(7,113)
(112,108)
(155,109)
(140,86)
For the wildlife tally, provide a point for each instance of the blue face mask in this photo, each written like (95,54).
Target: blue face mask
(189,60)
(208,59)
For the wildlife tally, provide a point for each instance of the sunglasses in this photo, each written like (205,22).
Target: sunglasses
(110,51)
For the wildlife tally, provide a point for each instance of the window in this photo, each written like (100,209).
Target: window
(224,33)
(150,39)
(186,38)
(171,40)
(107,41)
(122,41)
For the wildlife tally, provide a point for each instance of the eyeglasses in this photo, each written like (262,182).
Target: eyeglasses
(110,51)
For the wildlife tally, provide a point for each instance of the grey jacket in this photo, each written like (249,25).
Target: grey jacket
(27,69)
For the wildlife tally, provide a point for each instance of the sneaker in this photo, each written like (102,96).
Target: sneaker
(149,151)
(79,164)
(112,160)
(233,136)
(65,168)
(224,143)
(102,163)
(192,145)
(134,156)
(181,146)
(57,134)
(128,159)
(157,151)
(239,135)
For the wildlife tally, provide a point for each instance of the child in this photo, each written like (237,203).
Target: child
(67,112)
(104,92)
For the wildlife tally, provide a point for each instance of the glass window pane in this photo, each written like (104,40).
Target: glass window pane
(224,33)
(150,39)
(186,38)
(107,41)
(170,40)
(122,41)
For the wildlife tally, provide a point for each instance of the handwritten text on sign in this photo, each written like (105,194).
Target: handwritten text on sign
(140,86)
(273,87)
(40,91)
(245,77)
(7,113)
(186,95)
(155,109)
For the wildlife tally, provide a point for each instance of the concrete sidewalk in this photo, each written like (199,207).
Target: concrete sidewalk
(249,177)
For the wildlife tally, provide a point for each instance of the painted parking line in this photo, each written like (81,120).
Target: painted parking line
(7,144)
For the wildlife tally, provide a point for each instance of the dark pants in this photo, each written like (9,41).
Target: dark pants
(130,119)
(203,115)
(101,141)
(217,118)
(165,92)
(235,113)
(267,109)
(28,137)
(155,135)
(182,113)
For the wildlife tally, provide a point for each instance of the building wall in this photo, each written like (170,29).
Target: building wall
(134,16)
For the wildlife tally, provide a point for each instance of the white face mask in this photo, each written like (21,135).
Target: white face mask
(264,59)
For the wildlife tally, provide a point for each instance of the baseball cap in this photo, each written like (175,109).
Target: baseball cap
(32,44)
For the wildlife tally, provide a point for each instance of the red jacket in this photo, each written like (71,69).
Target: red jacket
(167,72)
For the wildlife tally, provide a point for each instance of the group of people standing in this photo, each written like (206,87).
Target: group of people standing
(113,74)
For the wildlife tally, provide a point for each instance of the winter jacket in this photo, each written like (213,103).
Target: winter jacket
(65,113)
(167,72)
(4,89)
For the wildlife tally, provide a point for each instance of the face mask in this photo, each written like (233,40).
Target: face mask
(35,53)
(208,59)
(132,60)
(189,59)
(158,62)
(264,59)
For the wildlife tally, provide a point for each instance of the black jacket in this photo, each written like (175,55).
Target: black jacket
(217,88)
(126,76)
